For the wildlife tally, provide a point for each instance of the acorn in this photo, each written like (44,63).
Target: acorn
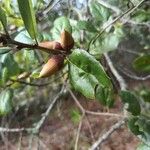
(54,64)
(51,45)
(66,40)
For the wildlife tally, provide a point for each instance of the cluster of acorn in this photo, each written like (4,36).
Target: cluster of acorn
(56,62)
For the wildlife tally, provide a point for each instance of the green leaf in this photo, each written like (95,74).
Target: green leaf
(3,17)
(104,96)
(6,102)
(86,73)
(29,59)
(8,61)
(144,126)
(107,42)
(23,37)
(133,126)
(140,126)
(142,63)
(133,104)
(145,94)
(4,75)
(28,16)
(143,147)
(60,24)
(99,12)
(141,16)
(4,50)
(86,25)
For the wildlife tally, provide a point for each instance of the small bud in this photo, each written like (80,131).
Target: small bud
(66,40)
(54,64)
(24,75)
(51,45)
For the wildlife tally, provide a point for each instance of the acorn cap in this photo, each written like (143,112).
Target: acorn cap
(66,40)
(54,64)
(51,45)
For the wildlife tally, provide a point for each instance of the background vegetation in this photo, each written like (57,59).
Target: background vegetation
(109,64)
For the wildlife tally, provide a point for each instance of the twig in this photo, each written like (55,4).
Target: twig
(147,24)
(118,77)
(107,134)
(78,132)
(134,76)
(127,12)
(90,128)
(30,141)
(19,45)
(20,141)
(134,8)
(76,101)
(49,7)
(16,129)
(107,5)
(36,84)
(103,114)
(91,112)
(39,124)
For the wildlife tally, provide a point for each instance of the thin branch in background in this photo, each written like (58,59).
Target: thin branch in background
(35,84)
(106,135)
(132,76)
(118,77)
(132,52)
(90,128)
(103,114)
(48,8)
(45,115)
(40,122)
(76,100)
(91,112)
(107,5)
(78,132)
(20,141)
(30,141)
(86,112)
(19,45)
(147,24)
(126,13)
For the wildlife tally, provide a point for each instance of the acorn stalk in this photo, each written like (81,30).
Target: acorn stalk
(51,45)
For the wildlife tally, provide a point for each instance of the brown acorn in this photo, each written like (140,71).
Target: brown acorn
(54,64)
(66,40)
(51,45)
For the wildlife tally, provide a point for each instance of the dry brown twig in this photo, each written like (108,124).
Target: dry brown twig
(107,134)
(87,112)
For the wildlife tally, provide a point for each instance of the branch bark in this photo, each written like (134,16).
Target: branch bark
(107,134)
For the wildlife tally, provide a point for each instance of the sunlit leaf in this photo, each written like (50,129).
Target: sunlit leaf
(60,24)
(3,17)
(99,12)
(86,73)
(86,25)
(28,16)
(6,102)
(142,63)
